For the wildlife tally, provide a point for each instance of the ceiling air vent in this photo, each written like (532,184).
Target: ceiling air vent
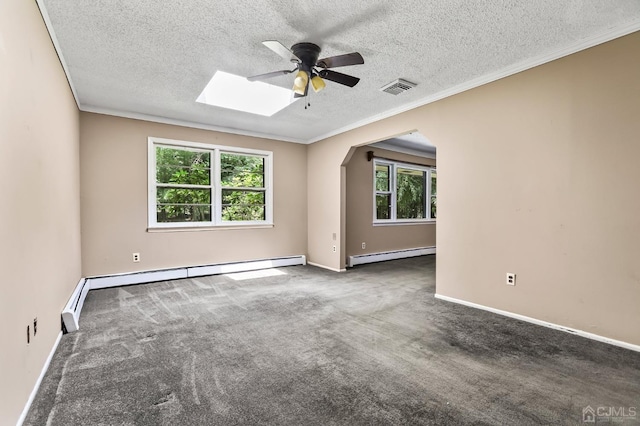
(398,86)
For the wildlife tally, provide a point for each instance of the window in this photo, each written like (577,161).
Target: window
(193,184)
(404,192)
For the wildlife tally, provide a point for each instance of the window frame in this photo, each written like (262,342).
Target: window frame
(214,183)
(393,166)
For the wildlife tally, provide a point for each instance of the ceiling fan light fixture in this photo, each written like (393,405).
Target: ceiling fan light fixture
(305,57)
(317,83)
(300,83)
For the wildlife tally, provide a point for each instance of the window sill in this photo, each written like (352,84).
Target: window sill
(208,228)
(407,222)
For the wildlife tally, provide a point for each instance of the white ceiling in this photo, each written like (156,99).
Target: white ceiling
(151,59)
(414,143)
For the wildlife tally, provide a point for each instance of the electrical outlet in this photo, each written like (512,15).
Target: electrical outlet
(35,326)
(511,278)
(136,257)
(334,249)
(364,246)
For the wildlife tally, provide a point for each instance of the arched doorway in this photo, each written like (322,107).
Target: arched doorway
(391,199)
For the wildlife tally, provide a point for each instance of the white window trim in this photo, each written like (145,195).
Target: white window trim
(393,165)
(216,189)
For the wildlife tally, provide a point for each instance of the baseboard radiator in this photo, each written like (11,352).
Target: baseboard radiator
(388,255)
(71,312)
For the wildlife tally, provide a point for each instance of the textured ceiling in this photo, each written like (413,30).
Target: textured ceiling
(412,143)
(151,58)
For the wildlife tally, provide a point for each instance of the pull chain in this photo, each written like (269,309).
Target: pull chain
(307,104)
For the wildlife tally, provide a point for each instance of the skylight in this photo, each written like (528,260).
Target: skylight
(235,92)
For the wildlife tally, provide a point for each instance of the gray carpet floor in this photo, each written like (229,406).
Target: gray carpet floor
(311,347)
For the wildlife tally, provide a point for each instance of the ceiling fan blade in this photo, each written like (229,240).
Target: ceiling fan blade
(341,60)
(281,50)
(269,75)
(338,77)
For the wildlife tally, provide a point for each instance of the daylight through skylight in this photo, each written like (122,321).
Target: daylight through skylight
(235,92)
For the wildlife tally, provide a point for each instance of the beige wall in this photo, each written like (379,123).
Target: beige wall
(324,205)
(537,175)
(114,201)
(40,214)
(359,213)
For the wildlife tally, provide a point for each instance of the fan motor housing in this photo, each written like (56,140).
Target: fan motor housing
(308,54)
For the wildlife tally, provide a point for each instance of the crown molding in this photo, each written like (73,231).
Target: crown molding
(184,123)
(570,49)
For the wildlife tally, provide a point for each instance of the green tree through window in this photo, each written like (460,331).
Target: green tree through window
(404,192)
(383,191)
(433,194)
(243,189)
(410,193)
(209,186)
(183,190)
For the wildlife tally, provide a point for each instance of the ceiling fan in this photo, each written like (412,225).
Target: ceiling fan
(311,70)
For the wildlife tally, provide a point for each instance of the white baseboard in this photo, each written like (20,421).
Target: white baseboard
(326,267)
(136,278)
(581,333)
(71,312)
(45,367)
(228,268)
(193,271)
(389,255)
